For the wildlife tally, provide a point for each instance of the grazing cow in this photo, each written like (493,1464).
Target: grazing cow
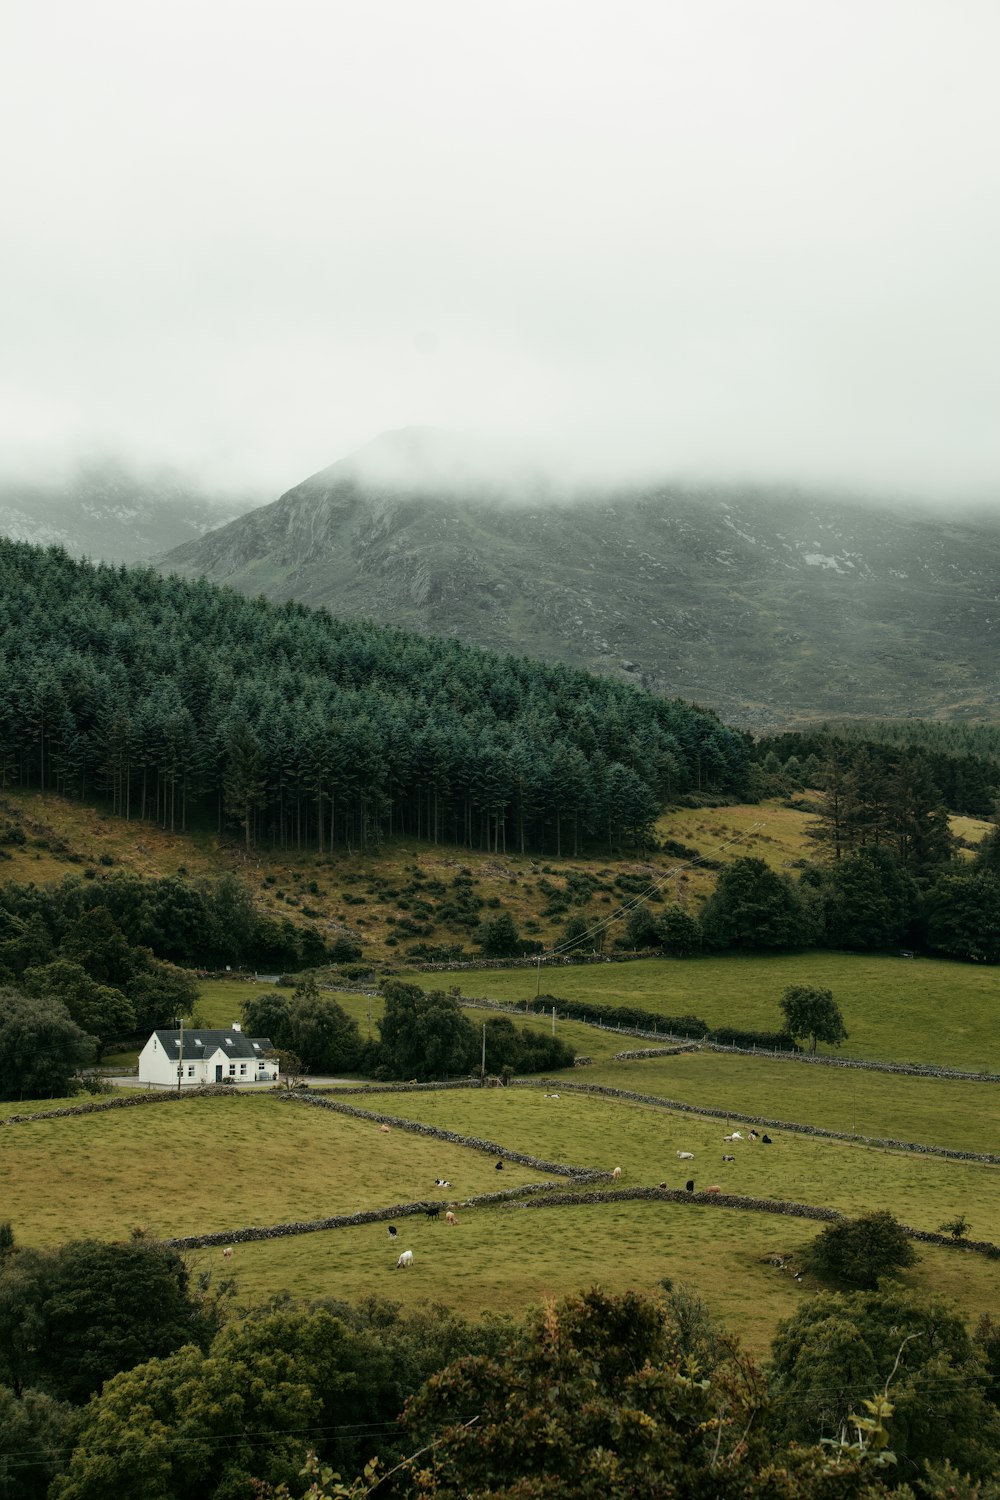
(433,1211)
(713,1189)
(734,1137)
(617,1173)
(765,1140)
(689,1186)
(227,1254)
(384,1129)
(392,1231)
(450,1218)
(499,1165)
(685,1156)
(729,1158)
(754,1136)
(552,1096)
(406,1259)
(440,1182)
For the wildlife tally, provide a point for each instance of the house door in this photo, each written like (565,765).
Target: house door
(218,1072)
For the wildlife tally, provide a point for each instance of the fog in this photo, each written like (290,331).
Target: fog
(713,241)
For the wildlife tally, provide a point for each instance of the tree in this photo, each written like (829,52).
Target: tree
(753,907)
(98,945)
(280,1380)
(814,1014)
(680,933)
(596,1399)
(35,1433)
(424,1035)
(321,1032)
(159,991)
(71,1318)
(41,1046)
(962,915)
(99,1009)
(838,1348)
(642,930)
(268,1015)
(498,936)
(245,780)
(861,1251)
(868,900)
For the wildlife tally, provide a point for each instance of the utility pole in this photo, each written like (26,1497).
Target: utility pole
(180,1060)
(482,1065)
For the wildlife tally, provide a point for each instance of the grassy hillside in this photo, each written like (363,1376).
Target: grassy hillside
(377,896)
(104,1174)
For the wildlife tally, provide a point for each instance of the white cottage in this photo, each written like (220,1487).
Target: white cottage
(215,1056)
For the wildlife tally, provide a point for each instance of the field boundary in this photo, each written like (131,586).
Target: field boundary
(416,1127)
(604,1090)
(541,1195)
(672,1041)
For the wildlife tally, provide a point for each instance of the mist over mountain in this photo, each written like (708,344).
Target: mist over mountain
(109,511)
(769,607)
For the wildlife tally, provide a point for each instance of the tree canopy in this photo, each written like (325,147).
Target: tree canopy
(73,1317)
(812,1014)
(42,1047)
(424,1034)
(301,729)
(861,1251)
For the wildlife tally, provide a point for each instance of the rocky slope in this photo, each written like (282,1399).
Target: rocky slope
(111,514)
(769,608)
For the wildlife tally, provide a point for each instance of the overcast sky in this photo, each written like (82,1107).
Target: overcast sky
(754,238)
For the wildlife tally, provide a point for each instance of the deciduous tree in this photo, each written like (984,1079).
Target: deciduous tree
(812,1014)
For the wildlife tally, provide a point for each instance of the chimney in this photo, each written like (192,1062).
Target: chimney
(237,1026)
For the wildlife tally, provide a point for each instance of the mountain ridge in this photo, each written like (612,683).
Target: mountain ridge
(768,608)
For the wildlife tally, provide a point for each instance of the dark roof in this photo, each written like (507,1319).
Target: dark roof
(202,1043)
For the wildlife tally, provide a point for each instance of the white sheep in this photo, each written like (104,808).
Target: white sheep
(227,1254)
(617,1173)
(450,1218)
(685,1156)
(406,1259)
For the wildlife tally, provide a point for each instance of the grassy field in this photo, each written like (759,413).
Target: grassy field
(269,1163)
(105,1174)
(644,1140)
(896,1009)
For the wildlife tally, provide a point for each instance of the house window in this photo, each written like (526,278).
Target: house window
(243,1068)
(191,1072)
(232,1070)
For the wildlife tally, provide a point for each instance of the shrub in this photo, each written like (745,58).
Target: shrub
(861,1251)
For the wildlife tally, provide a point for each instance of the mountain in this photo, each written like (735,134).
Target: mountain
(108,512)
(769,607)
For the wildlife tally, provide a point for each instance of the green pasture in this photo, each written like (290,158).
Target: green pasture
(201,1165)
(588,1130)
(505,1259)
(929,1111)
(896,1009)
(962,1115)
